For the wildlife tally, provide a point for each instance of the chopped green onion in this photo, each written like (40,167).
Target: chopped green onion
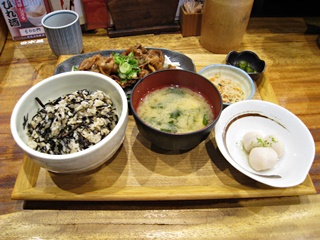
(128,66)
(125,68)
(74,68)
(205,120)
(175,90)
(123,76)
(118,59)
(175,114)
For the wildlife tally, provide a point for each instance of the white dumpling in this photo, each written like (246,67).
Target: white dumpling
(263,158)
(251,140)
(275,142)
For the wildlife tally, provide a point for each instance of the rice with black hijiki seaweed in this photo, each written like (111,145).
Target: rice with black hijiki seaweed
(72,122)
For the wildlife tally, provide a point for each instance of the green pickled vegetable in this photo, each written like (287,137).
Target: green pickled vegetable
(244,65)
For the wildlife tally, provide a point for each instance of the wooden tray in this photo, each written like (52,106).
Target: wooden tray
(141,171)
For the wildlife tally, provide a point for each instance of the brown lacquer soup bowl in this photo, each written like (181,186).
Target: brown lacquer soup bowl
(175,113)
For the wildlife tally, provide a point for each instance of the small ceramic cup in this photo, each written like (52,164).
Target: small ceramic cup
(63,32)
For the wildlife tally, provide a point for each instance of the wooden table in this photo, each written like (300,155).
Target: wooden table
(293,71)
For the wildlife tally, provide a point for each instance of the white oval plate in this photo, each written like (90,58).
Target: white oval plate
(266,118)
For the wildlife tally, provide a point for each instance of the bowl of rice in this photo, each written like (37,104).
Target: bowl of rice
(71,122)
(233,83)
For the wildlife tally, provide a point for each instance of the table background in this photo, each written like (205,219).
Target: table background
(293,68)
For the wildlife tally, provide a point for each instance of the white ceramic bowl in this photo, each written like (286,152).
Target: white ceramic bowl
(54,87)
(229,72)
(266,118)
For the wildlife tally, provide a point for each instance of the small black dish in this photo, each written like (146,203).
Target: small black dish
(251,58)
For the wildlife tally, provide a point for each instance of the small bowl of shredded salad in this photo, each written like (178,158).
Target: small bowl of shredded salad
(233,83)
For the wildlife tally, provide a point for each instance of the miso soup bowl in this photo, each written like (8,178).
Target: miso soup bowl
(181,78)
(54,87)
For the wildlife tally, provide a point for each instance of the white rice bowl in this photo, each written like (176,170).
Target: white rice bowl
(54,87)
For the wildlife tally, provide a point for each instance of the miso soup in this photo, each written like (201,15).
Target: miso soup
(175,110)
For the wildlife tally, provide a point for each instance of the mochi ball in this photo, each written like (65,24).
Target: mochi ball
(263,158)
(251,140)
(275,142)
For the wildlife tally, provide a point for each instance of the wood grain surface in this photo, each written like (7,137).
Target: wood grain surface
(243,220)
(293,70)
(140,171)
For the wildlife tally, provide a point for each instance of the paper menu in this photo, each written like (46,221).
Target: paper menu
(23,18)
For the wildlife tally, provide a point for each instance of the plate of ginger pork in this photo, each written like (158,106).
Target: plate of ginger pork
(127,66)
